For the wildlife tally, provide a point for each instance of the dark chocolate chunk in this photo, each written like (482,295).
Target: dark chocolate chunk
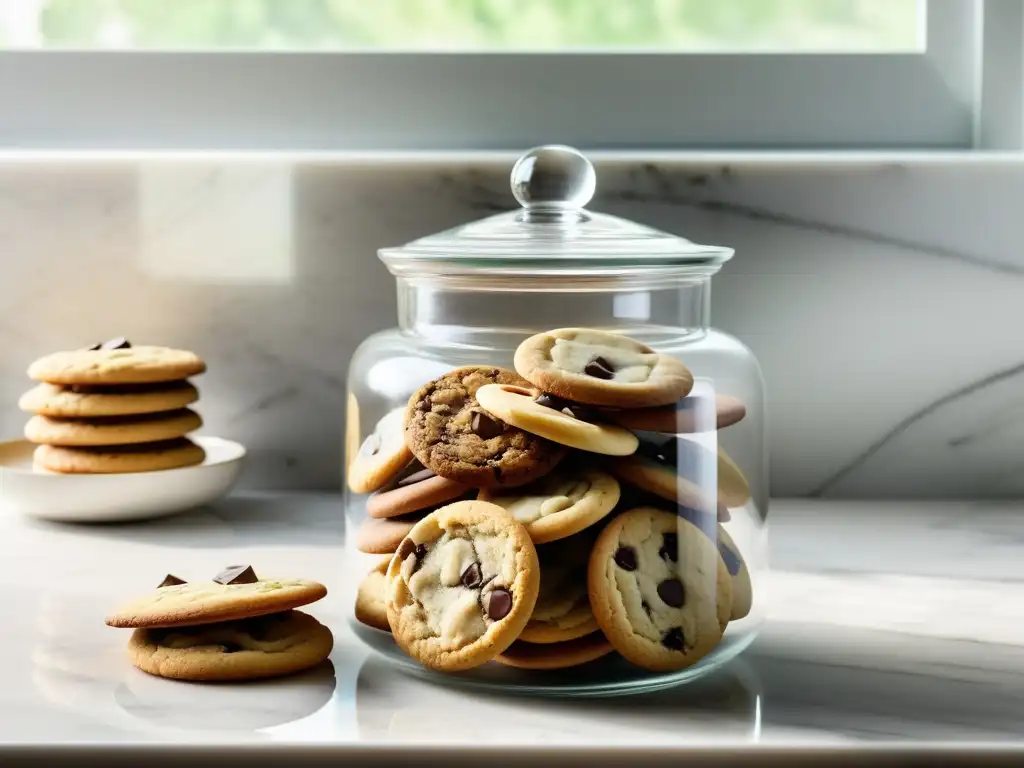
(119,343)
(674,639)
(236,574)
(599,368)
(567,407)
(670,547)
(672,593)
(416,477)
(625,558)
(485,427)
(732,560)
(170,580)
(406,548)
(552,401)
(420,551)
(472,577)
(371,445)
(499,604)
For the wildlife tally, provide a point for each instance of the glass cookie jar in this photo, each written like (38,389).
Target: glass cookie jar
(641,482)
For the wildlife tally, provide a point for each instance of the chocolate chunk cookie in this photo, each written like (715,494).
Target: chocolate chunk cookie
(742,588)
(659,589)
(559,504)
(563,608)
(247,649)
(450,432)
(370,608)
(570,653)
(381,456)
(462,586)
(693,413)
(600,368)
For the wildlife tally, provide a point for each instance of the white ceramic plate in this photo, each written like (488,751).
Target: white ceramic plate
(115,498)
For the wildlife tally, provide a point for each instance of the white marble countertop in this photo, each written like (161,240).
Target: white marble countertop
(891,625)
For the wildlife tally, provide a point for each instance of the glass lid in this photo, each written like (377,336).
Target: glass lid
(553,229)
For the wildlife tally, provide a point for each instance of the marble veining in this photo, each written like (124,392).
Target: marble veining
(881,297)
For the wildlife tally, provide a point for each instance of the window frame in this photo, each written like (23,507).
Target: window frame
(947,97)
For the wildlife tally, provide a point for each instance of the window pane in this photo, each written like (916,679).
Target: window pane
(668,25)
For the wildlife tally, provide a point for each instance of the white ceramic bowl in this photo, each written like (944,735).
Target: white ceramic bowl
(116,497)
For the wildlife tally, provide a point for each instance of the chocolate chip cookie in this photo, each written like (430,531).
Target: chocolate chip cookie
(246,649)
(676,469)
(450,433)
(113,430)
(742,588)
(381,456)
(553,418)
(600,368)
(370,607)
(563,608)
(570,653)
(559,504)
(206,602)
(690,414)
(659,589)
(81,402)
(462,586)
(118,363)
(415,489)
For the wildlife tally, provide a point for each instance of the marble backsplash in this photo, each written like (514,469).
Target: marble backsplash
(884,298)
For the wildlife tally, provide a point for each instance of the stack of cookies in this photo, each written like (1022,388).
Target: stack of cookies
(113,408)
(548,516)
(235,627)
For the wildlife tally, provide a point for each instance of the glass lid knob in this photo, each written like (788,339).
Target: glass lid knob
(552,181)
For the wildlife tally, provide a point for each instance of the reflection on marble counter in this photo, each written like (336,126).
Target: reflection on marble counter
(882,297)
(845,659)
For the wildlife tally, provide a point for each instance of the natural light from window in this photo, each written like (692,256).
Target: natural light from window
(467,25)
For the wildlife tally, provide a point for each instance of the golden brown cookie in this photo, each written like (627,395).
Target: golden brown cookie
(382,455)
(742,588)
(462,586)
(600,368)
(112,430)
(248,649)
(690,414)
(415,489)
(134,365)
(676,469)
(563,502)
(451,434)
(118,459)
(82,402)
(551,418)
(733,488)
(563,607)
(381,536)
(570,653)
(370,607)
(206,602)
(659,589)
